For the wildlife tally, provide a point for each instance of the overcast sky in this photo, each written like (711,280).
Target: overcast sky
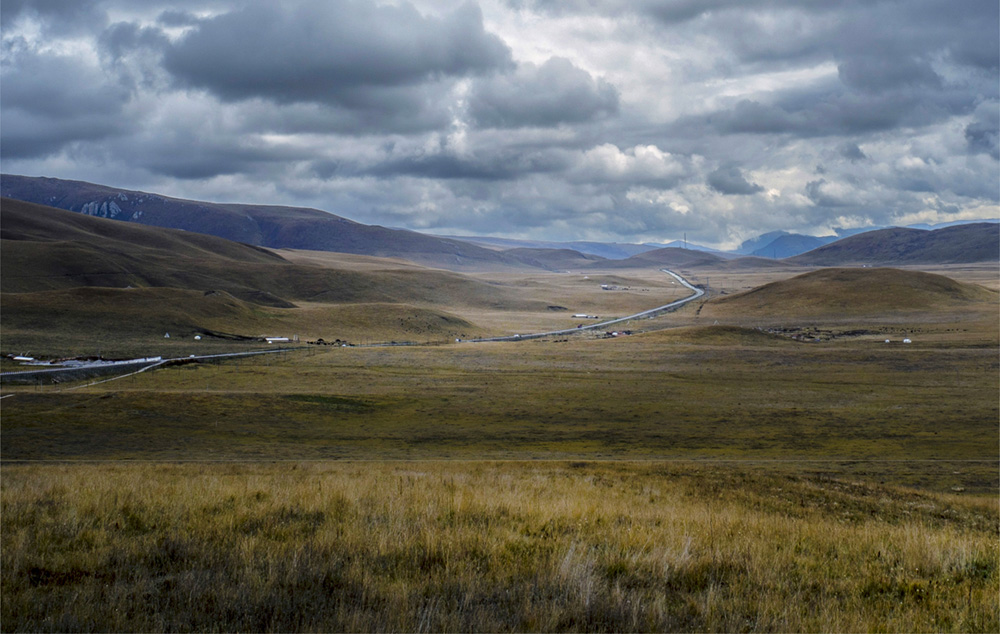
(623,120)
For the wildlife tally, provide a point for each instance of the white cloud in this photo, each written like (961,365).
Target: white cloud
(641,163)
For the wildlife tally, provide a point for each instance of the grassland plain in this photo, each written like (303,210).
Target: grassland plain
(647,396)
(703,478)
(487,546)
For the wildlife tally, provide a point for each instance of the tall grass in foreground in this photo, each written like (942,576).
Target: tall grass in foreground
(487,546)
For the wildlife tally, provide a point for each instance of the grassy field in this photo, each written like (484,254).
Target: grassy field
(698,476)
(666,395)
(487,547)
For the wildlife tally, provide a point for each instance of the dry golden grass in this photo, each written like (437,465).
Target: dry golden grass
(487,547)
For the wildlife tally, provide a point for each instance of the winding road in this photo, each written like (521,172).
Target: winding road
(652,312)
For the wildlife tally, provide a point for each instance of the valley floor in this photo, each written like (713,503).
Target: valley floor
(704,478)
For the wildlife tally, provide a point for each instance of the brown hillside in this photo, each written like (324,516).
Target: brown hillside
(847,292)
(146,314)
(553,259)
(117,312)
(45,249)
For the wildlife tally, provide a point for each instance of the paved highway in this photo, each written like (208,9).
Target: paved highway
(696,293)
(26,376)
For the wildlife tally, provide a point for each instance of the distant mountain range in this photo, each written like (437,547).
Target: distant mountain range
(608,250)
(775,245)
(312,229)
(791,244)
(976,242)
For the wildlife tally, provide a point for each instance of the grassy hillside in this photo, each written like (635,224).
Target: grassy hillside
(48,249)
(133,322)
(70,279)
(851,292)
(554,259)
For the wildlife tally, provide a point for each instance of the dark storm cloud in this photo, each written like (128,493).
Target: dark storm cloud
(547,95)
(817,191)
(328,52)
(983,134)
(198,154)
(852,152)
(831,111)
(123,38)
(375,110)
(490,166)
(877,74)
(730,180)
(51,101)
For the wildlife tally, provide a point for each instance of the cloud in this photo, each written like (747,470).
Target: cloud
(340,53)
(852,152)
(448,164)
(730,180)
(983,134)
(645,164)
(55,17)
(52,100)
(604,119)
(826,194)
(546,95)
(876,74)
(173,17)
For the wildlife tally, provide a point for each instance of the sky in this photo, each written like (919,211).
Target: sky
(610,120)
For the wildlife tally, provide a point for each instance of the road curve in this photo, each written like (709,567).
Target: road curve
(652,312)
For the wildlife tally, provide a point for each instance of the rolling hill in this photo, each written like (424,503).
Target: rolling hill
(976,242)
(851,292)
(48,249)
(91,274)
(554,259)
(260,225)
